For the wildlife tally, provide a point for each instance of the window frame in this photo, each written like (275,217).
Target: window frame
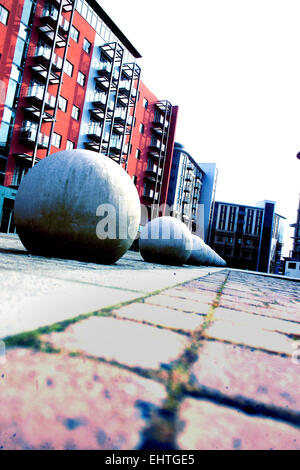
(5,11)
(75,109)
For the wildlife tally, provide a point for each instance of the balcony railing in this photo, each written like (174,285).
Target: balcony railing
(104,67)
(29,133)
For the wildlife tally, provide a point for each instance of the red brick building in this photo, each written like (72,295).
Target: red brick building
(69,78)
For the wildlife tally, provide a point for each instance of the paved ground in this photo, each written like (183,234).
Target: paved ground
(141,356)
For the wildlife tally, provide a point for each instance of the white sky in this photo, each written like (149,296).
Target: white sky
(233,68)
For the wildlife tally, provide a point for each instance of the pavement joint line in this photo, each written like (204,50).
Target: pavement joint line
(30,338)
(246,405)
(163,420)
(264,316)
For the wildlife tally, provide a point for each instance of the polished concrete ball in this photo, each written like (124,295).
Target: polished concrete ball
(199,252)
(77,204)
(166,240)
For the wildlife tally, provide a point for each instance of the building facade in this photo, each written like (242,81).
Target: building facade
(248,237)
(192,191)
(295,253)
(69,78)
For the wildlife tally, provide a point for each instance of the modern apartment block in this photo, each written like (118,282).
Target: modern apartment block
(191,191)
(248,237)
(69,78)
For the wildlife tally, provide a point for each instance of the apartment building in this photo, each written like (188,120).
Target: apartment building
(69,78)
(191,192)
(248,237)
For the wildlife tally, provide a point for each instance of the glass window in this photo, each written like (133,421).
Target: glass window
(75,112)
(68,68)
(74,34)
(15,73)
(56,140)
(62,103)
(3,15)
(138,154)
(142,128)
(70,145)
(10,94)
(145,103)
(79,5)
(81,78)
(86,45)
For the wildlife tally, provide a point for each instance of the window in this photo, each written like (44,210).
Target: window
(134,179)
(81,78)
(86,45)
(75,112)
(68,68)
(292,265)
(142,128)
(74,34)
(3,15)
(70,145)
(138,154)
(56,140)
(145,103)
(62,104)
(248,242)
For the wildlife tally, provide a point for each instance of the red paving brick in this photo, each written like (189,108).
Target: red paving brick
(48,401)
(203,425)
(241,373)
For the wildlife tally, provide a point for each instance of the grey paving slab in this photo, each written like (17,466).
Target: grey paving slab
(38,291)
(126,342)
(161,316)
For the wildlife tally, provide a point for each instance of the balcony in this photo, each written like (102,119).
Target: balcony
(94,132)
(124,87)
(67,4)
(47,30)
(99,100)
(104,69)
(42,56)
(149,194)
(158,145)
(35,95)
(120,114)
(28,135)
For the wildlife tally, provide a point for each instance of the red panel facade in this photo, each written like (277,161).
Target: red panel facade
(74,93)
(8,39)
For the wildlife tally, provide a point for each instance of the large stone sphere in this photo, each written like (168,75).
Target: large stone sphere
(198,254)
(166,240)
(77,204)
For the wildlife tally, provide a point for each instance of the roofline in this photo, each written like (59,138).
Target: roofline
(180,147)
(246,205)
(114,28)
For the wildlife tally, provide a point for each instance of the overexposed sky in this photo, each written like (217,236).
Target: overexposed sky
(233,68)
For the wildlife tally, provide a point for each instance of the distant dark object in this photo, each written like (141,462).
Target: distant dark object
(298,155)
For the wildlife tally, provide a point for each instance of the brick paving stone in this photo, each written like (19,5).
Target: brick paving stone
(185,305)
(242,373)
(230,300)
(161,316)
(254,337)
(275,311)
(257,321)
(49,401)
(203,425)
(186,293)
(126,342)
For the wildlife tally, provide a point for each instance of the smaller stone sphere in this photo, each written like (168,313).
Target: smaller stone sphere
(77,204)
(165,240)
(198,254)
